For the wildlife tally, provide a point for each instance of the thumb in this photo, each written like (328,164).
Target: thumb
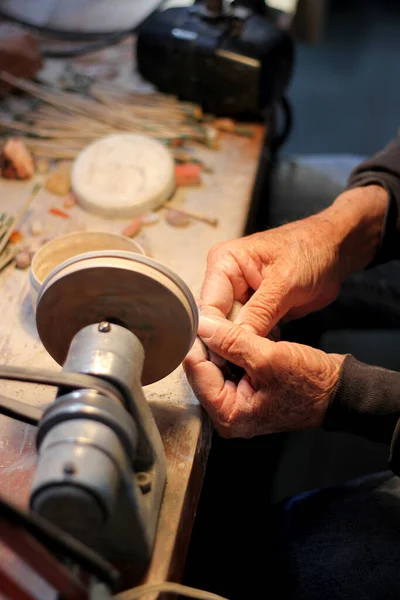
(232,342)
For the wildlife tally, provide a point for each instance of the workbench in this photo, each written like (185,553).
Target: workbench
(226,194)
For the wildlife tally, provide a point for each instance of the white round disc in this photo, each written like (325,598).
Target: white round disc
(123,175)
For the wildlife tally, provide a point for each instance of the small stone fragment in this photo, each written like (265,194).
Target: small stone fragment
(23,260)
(42,166)
(58,213)
(69,200)
(177,218)
(36,228)
(59,182)
(16,237)
(150,218)
(16,160)
(133,228)
(188,174)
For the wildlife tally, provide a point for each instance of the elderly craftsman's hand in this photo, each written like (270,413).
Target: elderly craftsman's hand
(286,386)
(287,272)
(295,269)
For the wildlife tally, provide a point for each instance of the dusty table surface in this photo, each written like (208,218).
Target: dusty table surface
(226,194)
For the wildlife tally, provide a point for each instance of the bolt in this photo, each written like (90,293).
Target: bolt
(104,327)
(144,481)
(69,468)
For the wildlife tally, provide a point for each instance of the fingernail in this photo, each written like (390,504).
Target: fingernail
(207,326)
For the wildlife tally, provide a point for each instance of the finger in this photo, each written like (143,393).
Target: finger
(217,294)
(217,360)
(265,308)
(274,335)
(197,354)
(233,343)
(207,381)
(223,283)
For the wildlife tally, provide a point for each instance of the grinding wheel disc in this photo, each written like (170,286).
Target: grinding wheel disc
(131,290)
(123,175)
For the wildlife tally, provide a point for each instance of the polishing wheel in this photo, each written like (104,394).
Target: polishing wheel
(130,290)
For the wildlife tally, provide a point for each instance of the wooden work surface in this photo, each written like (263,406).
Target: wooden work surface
(226,194)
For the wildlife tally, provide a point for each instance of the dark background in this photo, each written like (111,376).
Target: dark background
(346,90)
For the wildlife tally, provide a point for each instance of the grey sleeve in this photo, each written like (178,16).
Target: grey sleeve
(366,402)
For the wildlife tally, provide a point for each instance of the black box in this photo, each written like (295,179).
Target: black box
(230,65)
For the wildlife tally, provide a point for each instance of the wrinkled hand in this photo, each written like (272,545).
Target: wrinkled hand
(286,386)
(287,272)
(291,269)
(295,269)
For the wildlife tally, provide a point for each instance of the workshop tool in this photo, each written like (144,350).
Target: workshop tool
(12,222)
(8,227)
(115,321)
(66,122)
(213,221)
(223,56)
(71,569)
(78,119)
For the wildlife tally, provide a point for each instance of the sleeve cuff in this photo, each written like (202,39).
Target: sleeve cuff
(365,402)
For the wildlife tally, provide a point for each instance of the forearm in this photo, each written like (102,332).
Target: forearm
(359,218)
(355,223)
(366,217)
(383,169)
